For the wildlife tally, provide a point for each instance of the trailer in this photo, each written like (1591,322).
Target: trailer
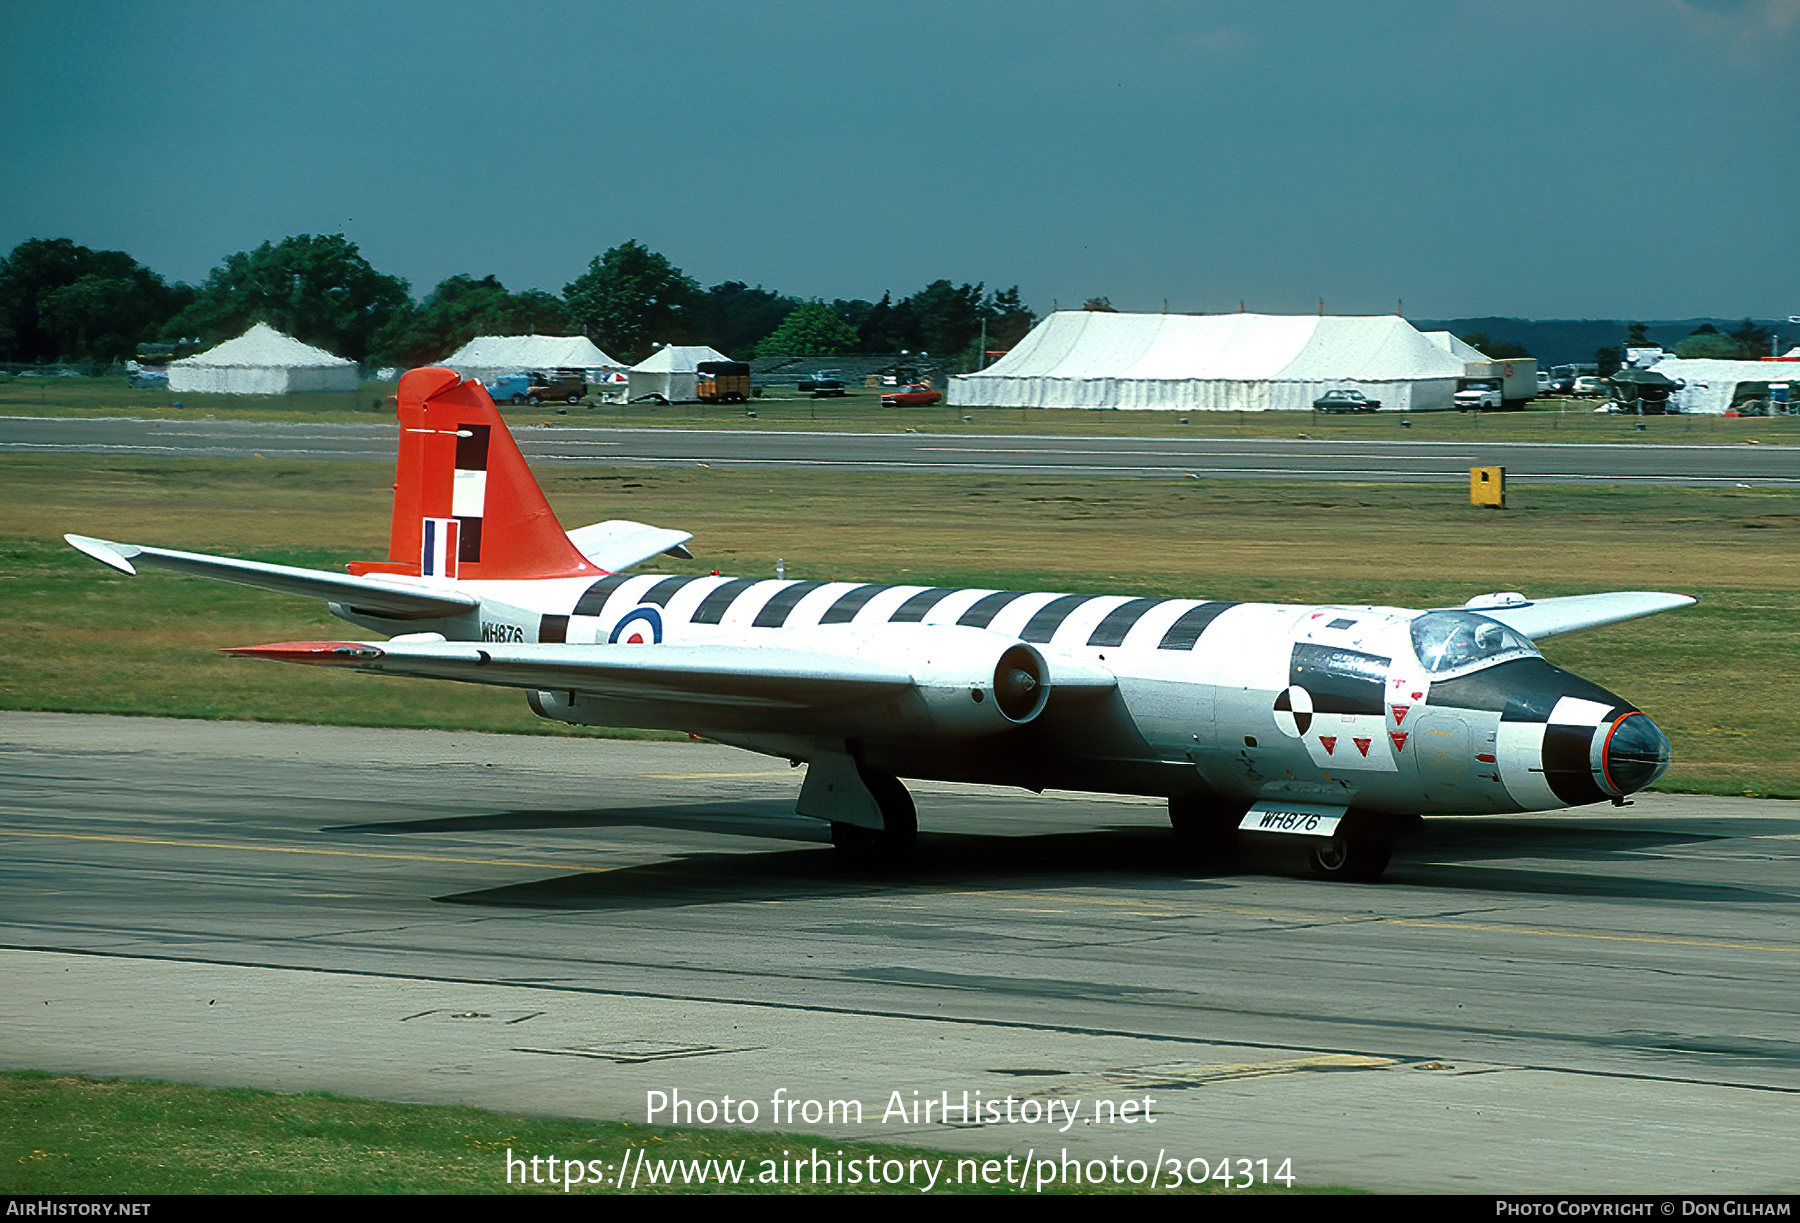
(722,381)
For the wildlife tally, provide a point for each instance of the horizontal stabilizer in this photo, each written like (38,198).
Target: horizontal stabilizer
(766,677)
(1538,618)
(619,544)
(373,595)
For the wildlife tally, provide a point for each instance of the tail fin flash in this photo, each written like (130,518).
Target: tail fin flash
(465,504)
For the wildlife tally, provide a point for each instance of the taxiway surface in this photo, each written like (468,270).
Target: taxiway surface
(1601,1001)
(1391,461)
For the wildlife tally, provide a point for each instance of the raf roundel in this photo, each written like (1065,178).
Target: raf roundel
(1294,711)
(640,626)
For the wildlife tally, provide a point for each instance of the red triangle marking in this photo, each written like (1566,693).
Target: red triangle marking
(1328,742)
(1399,740)
(1362,745)
(1400,712)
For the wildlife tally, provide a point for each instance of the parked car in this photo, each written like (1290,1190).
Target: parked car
(911,396)
(1589,387)
(1543,382)
(566,385)
(509,388)
(1345,401)
(825,382)
(146,378)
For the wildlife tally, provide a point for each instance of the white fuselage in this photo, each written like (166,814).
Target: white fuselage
(1239,701)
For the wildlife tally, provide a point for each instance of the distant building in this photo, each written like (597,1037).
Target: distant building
(263,361)
(1246,362)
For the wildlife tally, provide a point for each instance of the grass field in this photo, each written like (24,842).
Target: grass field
(84,1136)
(1723,678)
(1557,420)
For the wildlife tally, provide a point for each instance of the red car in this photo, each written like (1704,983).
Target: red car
(913,395)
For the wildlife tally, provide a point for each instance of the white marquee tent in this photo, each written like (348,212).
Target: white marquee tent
(1711,384)
(263,361)
(670,372)
(487,357)
(1252,362)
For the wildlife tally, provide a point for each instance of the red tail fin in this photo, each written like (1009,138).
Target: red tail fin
(465,504)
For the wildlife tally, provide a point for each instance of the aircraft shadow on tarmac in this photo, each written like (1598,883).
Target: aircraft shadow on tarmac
(1448,855)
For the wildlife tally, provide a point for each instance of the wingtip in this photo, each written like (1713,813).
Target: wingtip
(317,653)
(105,551)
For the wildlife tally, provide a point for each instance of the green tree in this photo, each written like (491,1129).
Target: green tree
(737,316)
(318,289)
(60,300)
(811,330)
(1752,341)
(1638,336)
(632,298)
(1712,344)
(947,316)
(1102,305)
(1494,350)
(460,309)
(888,326)
(1008,318)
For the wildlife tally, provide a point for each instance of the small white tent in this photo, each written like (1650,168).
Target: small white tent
(263,361)
(670,372)
(1711,385)
(1256,362)
(487,357)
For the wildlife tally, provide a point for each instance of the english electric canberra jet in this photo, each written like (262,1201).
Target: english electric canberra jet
(1337,724)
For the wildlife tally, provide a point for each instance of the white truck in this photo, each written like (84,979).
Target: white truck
(1493,385)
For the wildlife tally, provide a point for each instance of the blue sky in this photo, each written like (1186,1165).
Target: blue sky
(1606,158)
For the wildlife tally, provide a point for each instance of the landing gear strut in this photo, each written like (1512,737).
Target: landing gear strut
(1205,829)
(893,841)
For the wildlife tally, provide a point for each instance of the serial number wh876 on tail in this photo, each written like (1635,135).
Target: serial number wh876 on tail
(1335,724)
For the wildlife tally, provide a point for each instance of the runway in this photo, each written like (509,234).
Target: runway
(1386,461)
(1598,1001)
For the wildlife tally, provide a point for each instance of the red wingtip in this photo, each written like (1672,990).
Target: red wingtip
(317,653)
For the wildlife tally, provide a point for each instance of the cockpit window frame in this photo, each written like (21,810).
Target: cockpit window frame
(1473,657)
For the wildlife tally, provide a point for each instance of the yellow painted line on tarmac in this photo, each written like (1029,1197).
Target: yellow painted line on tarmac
(1378,919)
(1542,932)
(123,839)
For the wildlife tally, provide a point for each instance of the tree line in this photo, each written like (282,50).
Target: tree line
(63,302)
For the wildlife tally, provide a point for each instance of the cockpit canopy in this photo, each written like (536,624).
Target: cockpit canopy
(1449,642)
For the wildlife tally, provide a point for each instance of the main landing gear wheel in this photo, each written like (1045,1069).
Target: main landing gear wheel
(893,841)
(1205,830)
(1354,856)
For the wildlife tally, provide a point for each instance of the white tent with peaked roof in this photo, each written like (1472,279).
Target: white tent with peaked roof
(671,371)
(263,361)
(487,357)
(1250,362)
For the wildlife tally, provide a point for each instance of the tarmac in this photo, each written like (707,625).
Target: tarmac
(1600,1001)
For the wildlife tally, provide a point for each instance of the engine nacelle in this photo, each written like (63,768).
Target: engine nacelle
(969,681)
(966,682)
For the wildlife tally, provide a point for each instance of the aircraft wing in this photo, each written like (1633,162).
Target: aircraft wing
(770,677)
(367,594)
(1538,618)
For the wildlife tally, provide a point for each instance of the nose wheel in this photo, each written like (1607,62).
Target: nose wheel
(1354,856)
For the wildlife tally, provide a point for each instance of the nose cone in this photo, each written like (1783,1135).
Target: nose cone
(1634,753)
